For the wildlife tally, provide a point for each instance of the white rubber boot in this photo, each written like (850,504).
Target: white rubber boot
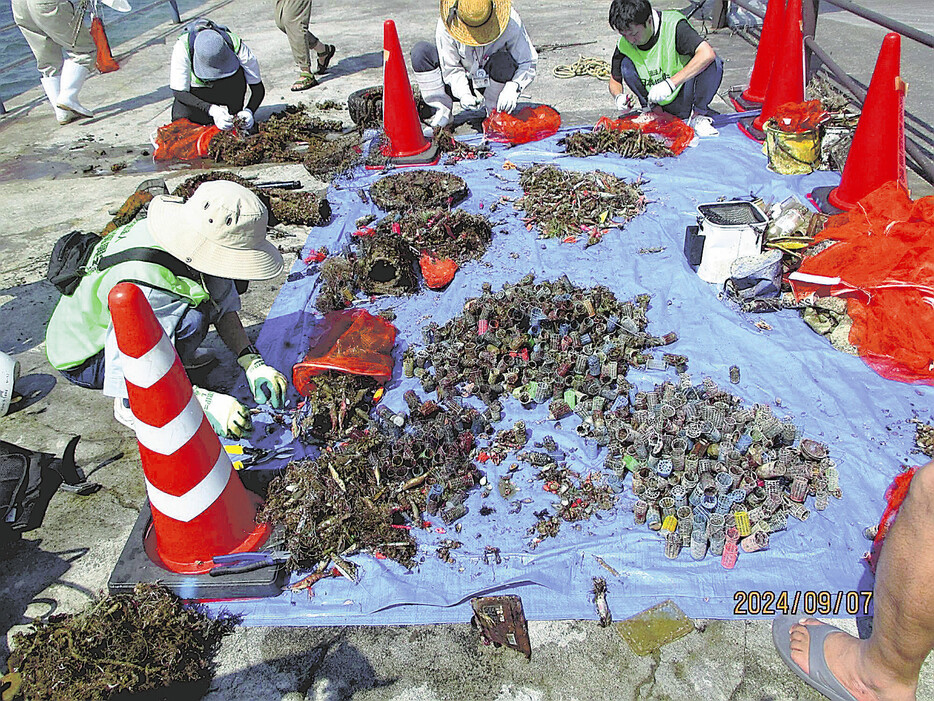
(52,87)
(431,86)
(73,77)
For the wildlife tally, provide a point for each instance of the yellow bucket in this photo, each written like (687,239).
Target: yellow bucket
(791,153)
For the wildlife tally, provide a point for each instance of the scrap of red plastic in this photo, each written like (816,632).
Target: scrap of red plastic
(528,124)
(677,133)
(800,117)
(314,256)
(437,272)
(351,341)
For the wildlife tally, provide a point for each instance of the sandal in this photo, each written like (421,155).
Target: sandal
(819,676)
(324,60)
(305,81)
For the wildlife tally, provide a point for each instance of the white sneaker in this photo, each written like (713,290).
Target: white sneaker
(123,414)
(703,126)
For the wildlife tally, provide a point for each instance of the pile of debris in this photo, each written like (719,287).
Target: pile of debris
(336,406)
(455,234)
(567,205)
(120,645)
(628,144)
(418,189)
(924,438)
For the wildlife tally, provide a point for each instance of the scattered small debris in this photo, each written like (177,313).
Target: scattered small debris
(630,143)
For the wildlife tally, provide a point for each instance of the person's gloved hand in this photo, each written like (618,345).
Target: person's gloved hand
(624,102)
(247,117)
(221,116)
(266,383)
(661,91)
(228,417)
(469,100)
(441,117)
(508,97)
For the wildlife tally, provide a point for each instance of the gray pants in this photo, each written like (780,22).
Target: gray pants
(292,17)
(48,26)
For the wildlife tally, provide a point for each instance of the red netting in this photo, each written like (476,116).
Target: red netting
(437,272)
(894,496)
(183,140)
(800,117)
(677,133)
(105,59)
(352,341)
(883,256)
(528,124)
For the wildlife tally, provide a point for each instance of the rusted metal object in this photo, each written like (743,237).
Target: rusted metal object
(502,622)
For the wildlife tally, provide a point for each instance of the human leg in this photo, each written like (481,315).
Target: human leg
(634,83)
(427,68)
(886,666)
(500,67)
(292,17)
(90,374)
(706,84)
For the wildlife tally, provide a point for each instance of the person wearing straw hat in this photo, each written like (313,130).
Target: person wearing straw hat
(481,55)
(185,256)
(210,71)
(665,63)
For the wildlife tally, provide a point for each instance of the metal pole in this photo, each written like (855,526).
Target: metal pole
(719,13)
(887,22)
(919,156)
(2,108)
(809,25)
(175,16)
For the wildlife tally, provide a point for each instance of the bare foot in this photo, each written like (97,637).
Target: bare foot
(846,659)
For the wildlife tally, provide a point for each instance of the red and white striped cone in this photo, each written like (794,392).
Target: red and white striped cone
(200,508)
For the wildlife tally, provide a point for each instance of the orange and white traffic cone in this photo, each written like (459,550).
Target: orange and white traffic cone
(407,144)
(786,81)
(754,94)
(877,154)
(200,509)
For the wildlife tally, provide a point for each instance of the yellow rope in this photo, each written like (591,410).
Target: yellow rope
(585,65)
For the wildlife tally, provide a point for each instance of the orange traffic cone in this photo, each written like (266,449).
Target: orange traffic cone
(877,154)
(200,509)
(754,94)
(407,145)
(105,59)
(786,82)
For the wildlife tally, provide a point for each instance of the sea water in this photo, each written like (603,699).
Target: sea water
(13,47)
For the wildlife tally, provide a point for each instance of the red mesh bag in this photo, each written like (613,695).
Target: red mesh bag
(800,117)
(528,124)
(676,132)
(882,261)
(437,272)
(352,341)
(894,496)
(183,140)
(105,59)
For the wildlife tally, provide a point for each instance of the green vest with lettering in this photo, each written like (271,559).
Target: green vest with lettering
(662,60)
(79,323)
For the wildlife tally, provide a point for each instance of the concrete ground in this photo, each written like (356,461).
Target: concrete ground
(54,179)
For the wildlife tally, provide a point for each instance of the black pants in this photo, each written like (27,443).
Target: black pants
(501,66)
(229,92)
(695,95)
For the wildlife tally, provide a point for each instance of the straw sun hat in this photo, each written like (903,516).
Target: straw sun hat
(475,22)
(220,230)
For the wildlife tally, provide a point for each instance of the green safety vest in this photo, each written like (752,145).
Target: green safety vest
(233,41)
(662,60)
(79,323)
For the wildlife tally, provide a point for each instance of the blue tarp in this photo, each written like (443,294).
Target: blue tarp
(834,397)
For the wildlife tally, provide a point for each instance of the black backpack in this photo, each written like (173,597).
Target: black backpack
(29,478)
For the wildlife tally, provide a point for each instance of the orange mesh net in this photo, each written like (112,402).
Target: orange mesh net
(894,496)
(528,124)
(882,262)
(183,140)
(800,117)
(676,132)
(352,341)
(105,59)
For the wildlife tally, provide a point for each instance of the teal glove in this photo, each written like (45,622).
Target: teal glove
(228,417)
(266,383)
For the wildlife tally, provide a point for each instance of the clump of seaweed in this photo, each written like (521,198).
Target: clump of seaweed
(123,644)
(629,143)
(418,189)
(333,157)
(566,205)
(285,206)
(454,234)
(457,151)
(335,405)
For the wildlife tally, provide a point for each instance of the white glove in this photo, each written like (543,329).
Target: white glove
(266,383)
(228,417)
(221,116)
(469,100)
(508,97)
(247,117)
(441,118)
(661,91)
(624,102)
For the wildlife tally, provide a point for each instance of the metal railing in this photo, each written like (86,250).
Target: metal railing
(921,161)
(173,8)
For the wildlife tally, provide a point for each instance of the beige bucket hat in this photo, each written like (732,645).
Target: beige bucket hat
(220,230)
(475,22)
